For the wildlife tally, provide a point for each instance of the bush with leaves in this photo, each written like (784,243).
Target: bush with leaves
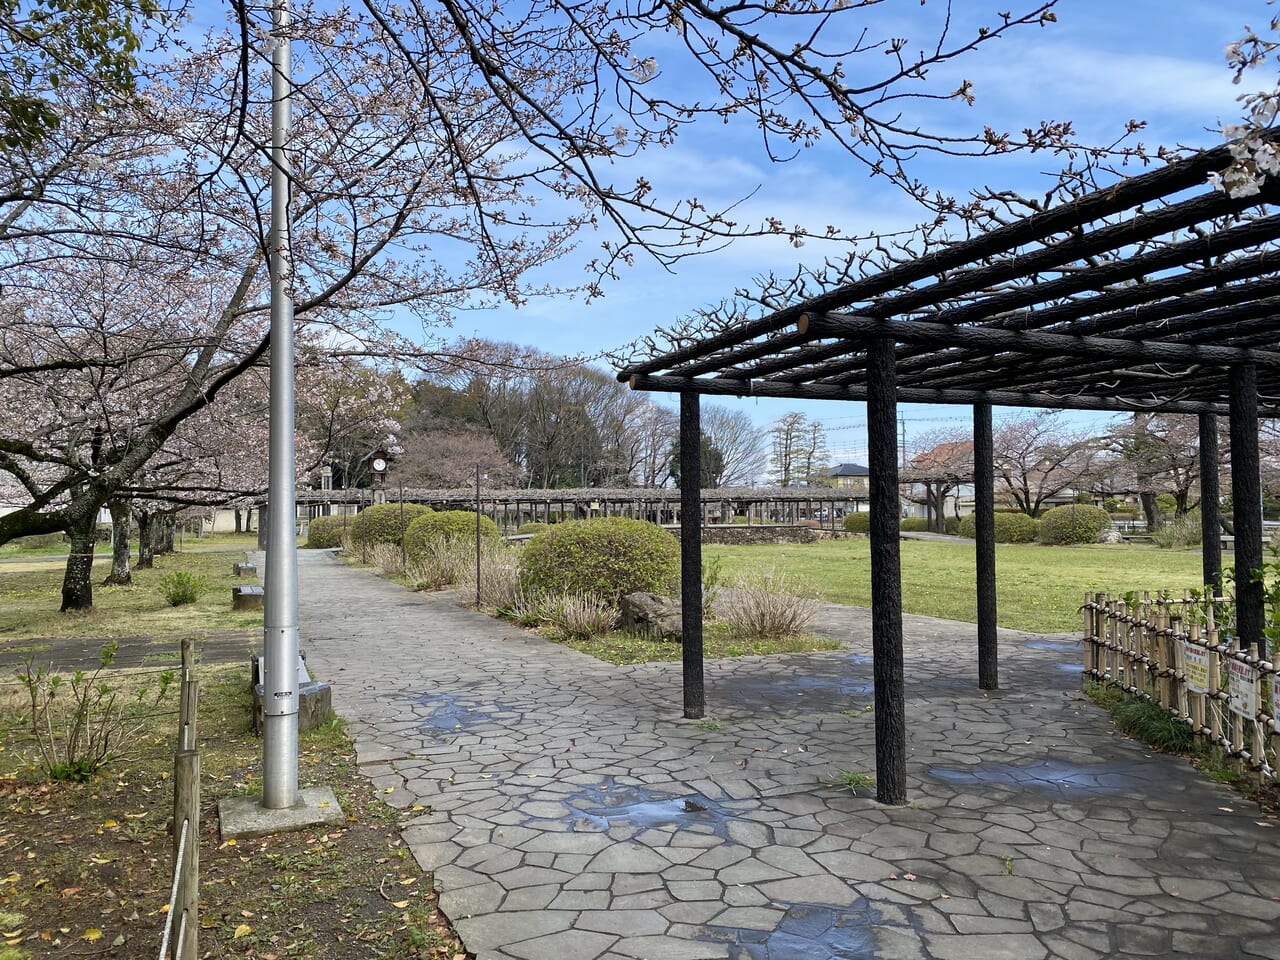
(951,526)
(858,522)
(435,529)
(608,557)
(914,525)
(532,527)
(1073,523)
(180,588)
(1010,527)
(324,533)
(383,523)
(84,722)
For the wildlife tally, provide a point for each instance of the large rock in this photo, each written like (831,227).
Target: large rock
(652,614)
(1110,536)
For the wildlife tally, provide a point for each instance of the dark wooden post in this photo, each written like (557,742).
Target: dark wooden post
(1246,506)
(691,554)
(886,575)
(984,516)
(1210,531)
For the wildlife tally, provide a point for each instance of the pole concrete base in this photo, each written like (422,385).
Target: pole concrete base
(242,818)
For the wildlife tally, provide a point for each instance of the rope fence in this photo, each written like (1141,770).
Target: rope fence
(1181,653)
(178,940)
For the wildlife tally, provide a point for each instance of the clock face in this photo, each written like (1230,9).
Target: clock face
(379,464)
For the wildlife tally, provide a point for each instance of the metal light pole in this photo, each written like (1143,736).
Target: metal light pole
(280,617)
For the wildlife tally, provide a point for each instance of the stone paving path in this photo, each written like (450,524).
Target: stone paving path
(569,813)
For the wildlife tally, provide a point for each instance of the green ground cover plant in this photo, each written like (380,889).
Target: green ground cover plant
(1039,588)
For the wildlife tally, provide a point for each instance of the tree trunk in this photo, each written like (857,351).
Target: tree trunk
(120,575)
(1151,510)
(146,540)
(77,584)
(238,522)
(168,524)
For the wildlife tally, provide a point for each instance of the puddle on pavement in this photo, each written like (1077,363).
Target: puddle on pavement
(448,714)
(787,693)
(611,805)
(1057,776)
(807,932)
(1056,646)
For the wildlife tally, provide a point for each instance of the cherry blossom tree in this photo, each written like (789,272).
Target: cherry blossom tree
(1037,456)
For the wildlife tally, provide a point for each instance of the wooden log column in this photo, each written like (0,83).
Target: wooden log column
(1246,506)
(1210,527)
(984,515)
(886,575)
(691,554)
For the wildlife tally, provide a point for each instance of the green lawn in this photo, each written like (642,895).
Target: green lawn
(31,593)
(1038,588)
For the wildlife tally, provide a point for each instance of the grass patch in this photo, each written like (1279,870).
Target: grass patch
(30,598)
(718,640)
(852,780)
(1039,588)
(91,862)
(1152,724)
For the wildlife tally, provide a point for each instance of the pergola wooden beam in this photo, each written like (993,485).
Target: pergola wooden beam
(1032,342)
(1186,174)
(717,386)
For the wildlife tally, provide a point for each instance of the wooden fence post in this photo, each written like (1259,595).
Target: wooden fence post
(186,808)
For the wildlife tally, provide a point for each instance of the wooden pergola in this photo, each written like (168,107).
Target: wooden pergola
(1156,294)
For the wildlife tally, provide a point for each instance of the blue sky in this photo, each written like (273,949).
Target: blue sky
(1100,65)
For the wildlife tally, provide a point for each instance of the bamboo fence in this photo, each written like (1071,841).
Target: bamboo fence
(178,941)
(1182,654)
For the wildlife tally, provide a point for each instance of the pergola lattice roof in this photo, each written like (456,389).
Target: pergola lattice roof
(1137,297)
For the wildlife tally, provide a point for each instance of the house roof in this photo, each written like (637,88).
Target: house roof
(950,454)
(849,470)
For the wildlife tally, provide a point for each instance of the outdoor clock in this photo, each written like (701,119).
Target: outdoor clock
(379,465)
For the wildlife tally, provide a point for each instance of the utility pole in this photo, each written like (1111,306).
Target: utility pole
(280,613)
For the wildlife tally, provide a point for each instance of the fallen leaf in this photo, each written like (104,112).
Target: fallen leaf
(93,935)
(400,904)
(242,931)
(908,876)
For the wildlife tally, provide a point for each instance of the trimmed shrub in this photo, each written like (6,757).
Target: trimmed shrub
(1111,504)
(324,532)
(609,557)
(380,523)
(532,527)
(858,522)
(1010,527)
(180,588)
(446,526)
(1073,523)
(914,525)
(951,526)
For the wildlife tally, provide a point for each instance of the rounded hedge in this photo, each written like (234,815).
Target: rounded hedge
(858,521)
(381,523)
(914,525)
(1074,523)
(608,557)
(1010,527)
(446,526)
(532,527)
(951,526)
(324,532)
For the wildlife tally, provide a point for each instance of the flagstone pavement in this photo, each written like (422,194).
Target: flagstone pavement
(569,812)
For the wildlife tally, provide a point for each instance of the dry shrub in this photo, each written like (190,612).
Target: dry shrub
(766,603)
(386,559)
(499,575)
(527,608)
(442,563)
(580,616)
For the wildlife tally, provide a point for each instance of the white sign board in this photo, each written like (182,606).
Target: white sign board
(1244,689)
(1196,666)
